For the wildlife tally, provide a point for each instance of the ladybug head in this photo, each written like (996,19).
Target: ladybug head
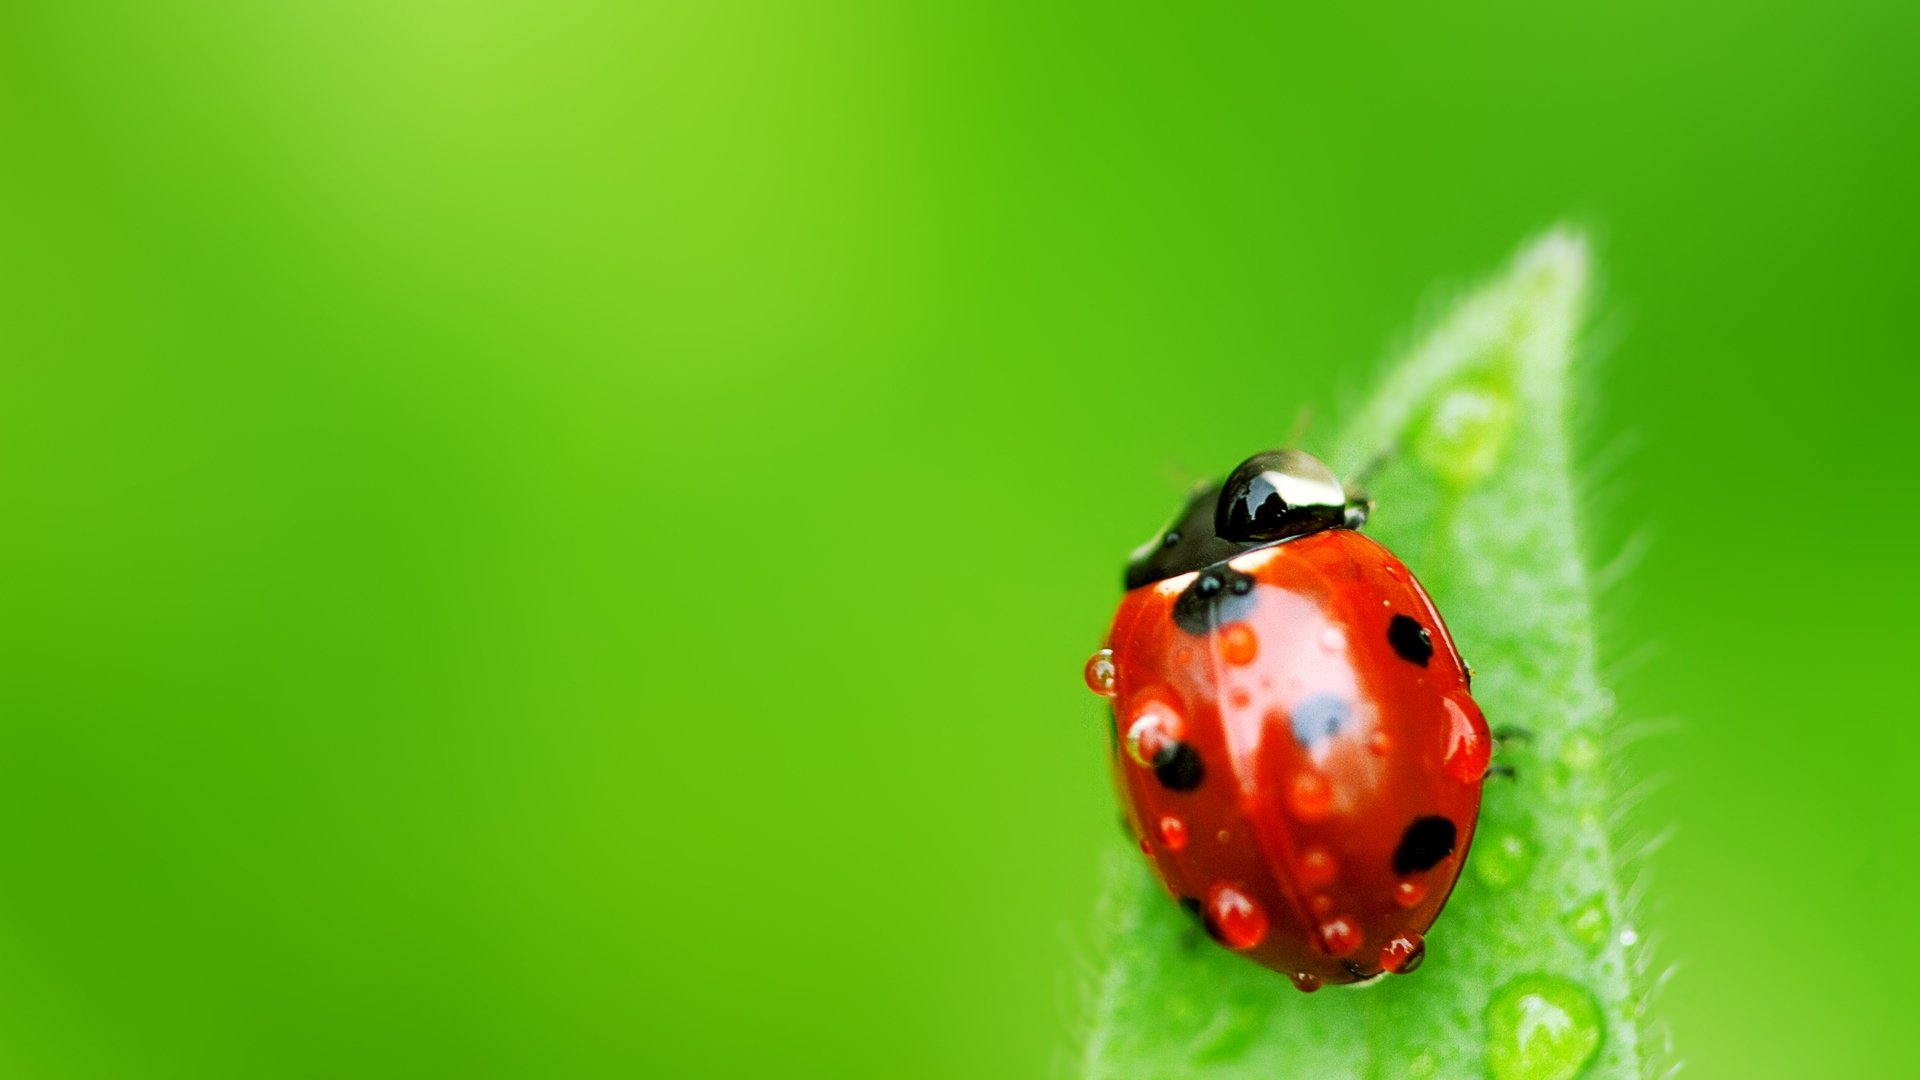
(1271,497)
(1281,493)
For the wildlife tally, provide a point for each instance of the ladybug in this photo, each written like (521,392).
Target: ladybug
(1294,741)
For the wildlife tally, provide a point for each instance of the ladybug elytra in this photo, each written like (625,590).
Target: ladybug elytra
(1296,747)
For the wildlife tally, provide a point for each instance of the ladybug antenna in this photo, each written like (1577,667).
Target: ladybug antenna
(1359,503)
(1301,421)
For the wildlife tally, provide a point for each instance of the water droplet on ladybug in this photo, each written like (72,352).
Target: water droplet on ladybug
(1333,639)
(1238,921)
(1503,859)
(1101,672)
(1305,982)
(1379,744)
(1309,799)
(1340,937)
(1469,747)
(1238,644)
(1145,848)
(1542,1027)
(1404,954)
(1317,868)
(1408,893)
(1322,904)
(1173,833)
(1155,732)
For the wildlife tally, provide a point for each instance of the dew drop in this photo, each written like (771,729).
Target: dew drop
(1629,937)
(1101,672)
(1380,744)
(1469,747)
(1340,937)
(1404,954)
(1173,833)
(1235,918)
(1317,868)
(1581,752)
(1409,892)
(1541,1027)
(1223,836)
(1463,435)
(1145,848)
(1333,639)
(1238,643)
(1308,797)
(1155,731)
(1322,904)
(1503,859)
(1305,982)
(1589,924)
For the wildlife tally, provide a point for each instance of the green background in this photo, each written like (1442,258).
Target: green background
(559,539)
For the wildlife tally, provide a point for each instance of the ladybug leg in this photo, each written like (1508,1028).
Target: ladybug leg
(1501,772)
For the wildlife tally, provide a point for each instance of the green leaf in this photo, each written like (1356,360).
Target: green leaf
(1530,972)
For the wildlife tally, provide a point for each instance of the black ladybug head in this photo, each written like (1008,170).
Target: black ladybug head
(1271,497)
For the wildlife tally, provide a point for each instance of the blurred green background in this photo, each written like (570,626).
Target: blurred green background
(559,539)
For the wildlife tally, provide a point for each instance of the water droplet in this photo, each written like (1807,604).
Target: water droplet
(1581,753)
(1238,643)
(1340,937)
(1317,868)
(1100,673)
(1629,937)
(1589,923)
(1404,954)
(1305,982)
(1223,836)
(1469,747)
(1308,797)
(1173,833)
(1155,731)
(1145,848)
(1322,904)
(1237,920)
(1380,744)
(1409,893)
(1333,639)
(1541,1027)
(1464,433)
(1503,859)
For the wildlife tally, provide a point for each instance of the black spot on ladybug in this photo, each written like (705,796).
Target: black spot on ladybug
(1424,844)
(1178,768)
(1410,640)
(1198,912)
(1320,717)
(1218,596)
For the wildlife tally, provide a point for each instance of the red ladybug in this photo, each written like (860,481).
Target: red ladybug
(1294,741)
